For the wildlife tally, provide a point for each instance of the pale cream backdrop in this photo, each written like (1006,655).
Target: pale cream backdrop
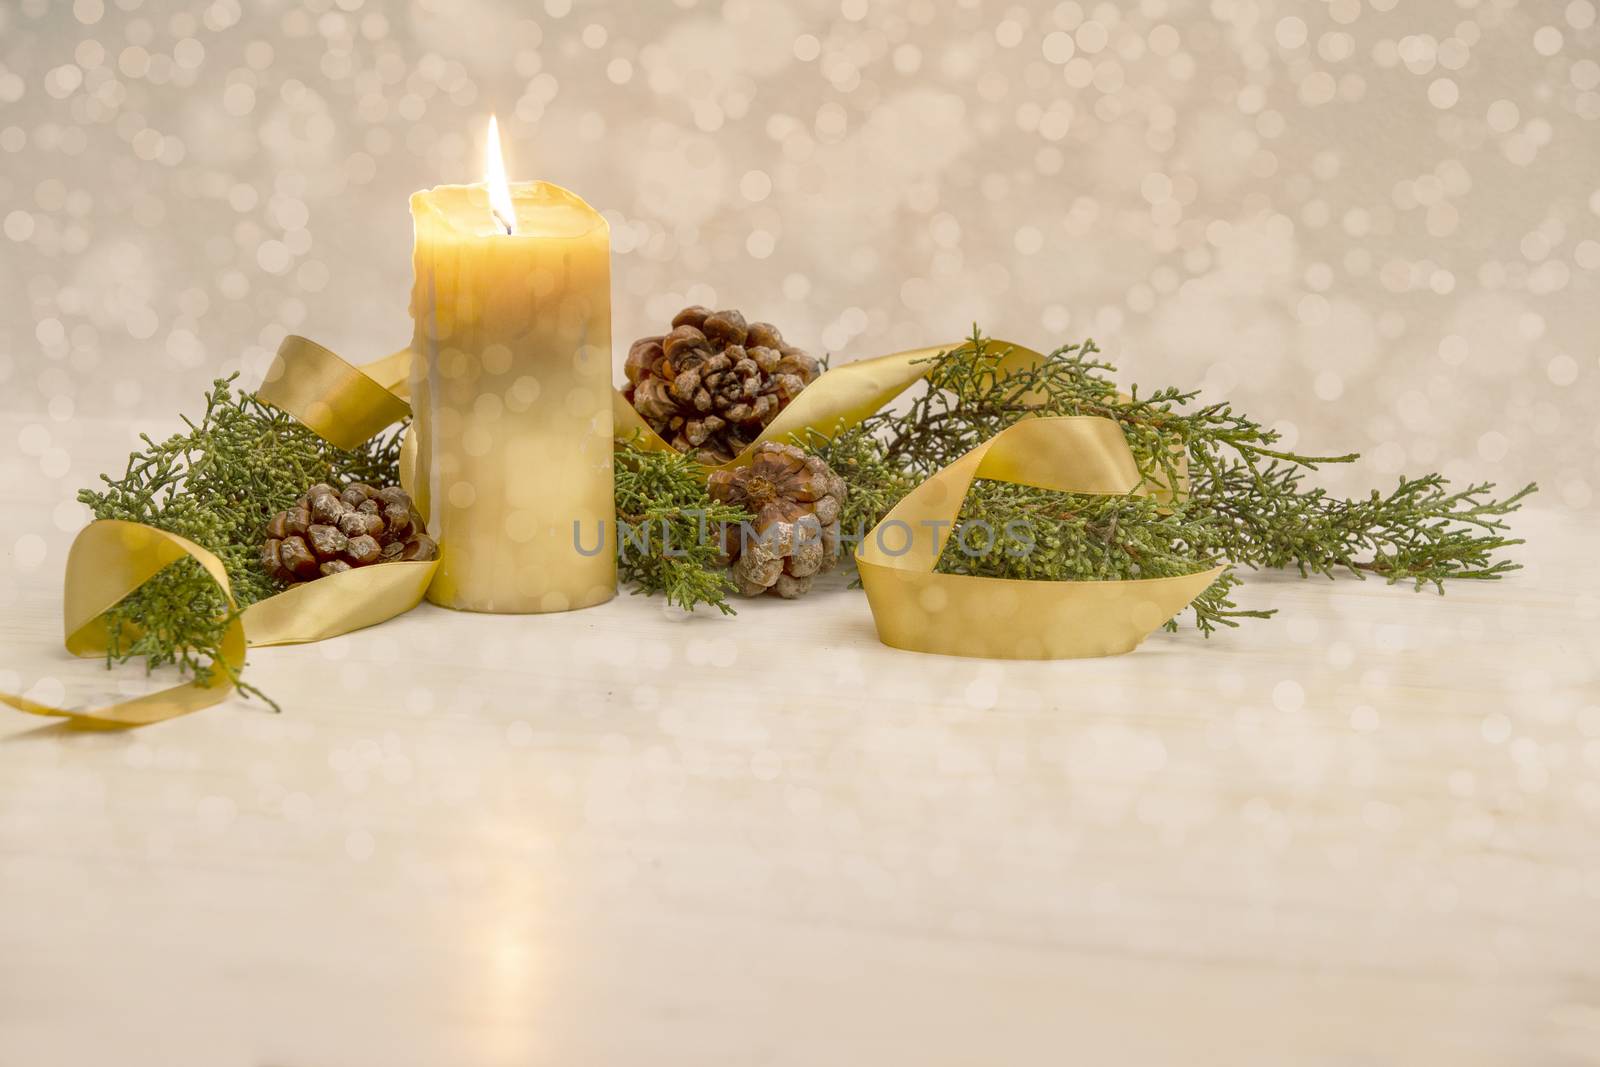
(1375,223)
(1361,832)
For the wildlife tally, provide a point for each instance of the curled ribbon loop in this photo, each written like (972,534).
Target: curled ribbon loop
(914,607)
(917,609)
(839,399)
(110,559)
(343,404)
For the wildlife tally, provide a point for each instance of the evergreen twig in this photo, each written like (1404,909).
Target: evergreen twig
(1017,531)
(217,484)
(668,534)
(1244,498)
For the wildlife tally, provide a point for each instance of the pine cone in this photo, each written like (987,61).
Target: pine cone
(330,530)
(796,500)
(710,385)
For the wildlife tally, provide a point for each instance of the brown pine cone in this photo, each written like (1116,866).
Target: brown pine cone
(795,499)
(332,530)
(710,385)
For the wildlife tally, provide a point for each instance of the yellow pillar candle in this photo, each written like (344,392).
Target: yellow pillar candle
(511,397)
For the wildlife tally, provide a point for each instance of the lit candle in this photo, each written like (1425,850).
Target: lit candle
(511,393)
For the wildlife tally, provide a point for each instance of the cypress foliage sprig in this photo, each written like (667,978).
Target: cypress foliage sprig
(1018,531)
(217,483)
(668,537)
(1243,498)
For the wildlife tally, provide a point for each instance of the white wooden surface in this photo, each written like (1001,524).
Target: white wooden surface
(1364,832)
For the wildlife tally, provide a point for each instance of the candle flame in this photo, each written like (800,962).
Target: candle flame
(505,212)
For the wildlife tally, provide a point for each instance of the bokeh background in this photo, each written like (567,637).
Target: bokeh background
(1362,833)
(1375,223)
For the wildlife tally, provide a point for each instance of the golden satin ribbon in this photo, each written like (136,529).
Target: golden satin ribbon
(345,405)
(108,560)
(338,603)
(840,398)
(1001,618)
(328,395)
(962,615)
(913,607)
